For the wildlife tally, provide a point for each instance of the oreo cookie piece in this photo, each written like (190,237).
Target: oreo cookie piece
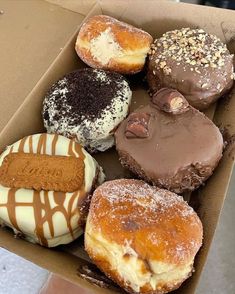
(87,105)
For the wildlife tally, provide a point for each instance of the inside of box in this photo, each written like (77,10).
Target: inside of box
(207,201)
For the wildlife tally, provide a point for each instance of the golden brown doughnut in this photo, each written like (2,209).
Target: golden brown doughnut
(106,43)
(142,237)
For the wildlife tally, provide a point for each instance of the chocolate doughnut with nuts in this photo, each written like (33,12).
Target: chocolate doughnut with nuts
(193,62)
(169,143)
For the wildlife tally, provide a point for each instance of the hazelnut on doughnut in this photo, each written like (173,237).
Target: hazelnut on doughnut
(195,63)
(169,143)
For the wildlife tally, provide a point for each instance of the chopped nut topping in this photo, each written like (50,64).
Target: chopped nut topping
(193,62)
(176,103)
(204,85)
(162,64)
(192,46)
(167,70)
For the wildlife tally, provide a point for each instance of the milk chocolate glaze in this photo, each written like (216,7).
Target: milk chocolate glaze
(193,62)
(180,151)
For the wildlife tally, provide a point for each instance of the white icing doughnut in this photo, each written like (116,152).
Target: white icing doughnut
(87,104)
(47,217)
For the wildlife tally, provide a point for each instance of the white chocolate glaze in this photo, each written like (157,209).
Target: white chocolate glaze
(47,217)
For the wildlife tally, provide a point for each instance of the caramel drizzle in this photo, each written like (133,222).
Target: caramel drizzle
(53,144)
(59,197)
(11,207)
(21,145)
(48,216)
(42,144)
(70,150)
(38,207)
(30,144)
(19,204)
(60,201)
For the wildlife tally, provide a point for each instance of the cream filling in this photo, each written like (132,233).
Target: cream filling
(104,47)
(124,56)
(130,269)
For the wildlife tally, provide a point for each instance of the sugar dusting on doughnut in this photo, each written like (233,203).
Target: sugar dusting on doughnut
(107,43)
(142,237)
(148,203)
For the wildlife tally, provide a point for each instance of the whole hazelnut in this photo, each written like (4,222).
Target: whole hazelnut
(170,100)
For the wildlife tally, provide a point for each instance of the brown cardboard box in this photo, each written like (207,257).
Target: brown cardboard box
(156,17)
(32,35)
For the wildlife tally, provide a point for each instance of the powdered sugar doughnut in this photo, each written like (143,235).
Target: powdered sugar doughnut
(142,237)
(87,105)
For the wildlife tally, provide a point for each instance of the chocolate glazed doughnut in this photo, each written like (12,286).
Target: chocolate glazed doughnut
(169,143)
(195,63)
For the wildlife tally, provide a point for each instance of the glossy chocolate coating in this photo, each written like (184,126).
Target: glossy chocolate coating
(180,152)
(193,62)
(170,100)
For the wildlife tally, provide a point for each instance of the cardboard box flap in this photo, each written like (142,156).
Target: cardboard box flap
(225,28)
(79,6)
(171,15)
(29,44)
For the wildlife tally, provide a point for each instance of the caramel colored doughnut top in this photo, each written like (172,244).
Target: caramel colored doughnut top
(157,224)
(195,63)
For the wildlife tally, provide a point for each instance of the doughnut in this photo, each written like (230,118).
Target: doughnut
(143,238)
(169,143)
(193,62)
(45,181)
(106,43)
(87,105)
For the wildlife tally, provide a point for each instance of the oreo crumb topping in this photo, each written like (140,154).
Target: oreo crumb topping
(87,104)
